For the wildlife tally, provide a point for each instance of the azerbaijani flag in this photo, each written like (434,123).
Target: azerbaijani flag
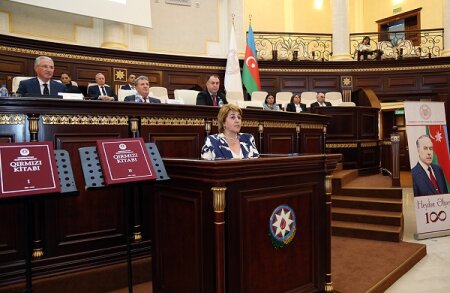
(250,72)
(439,137)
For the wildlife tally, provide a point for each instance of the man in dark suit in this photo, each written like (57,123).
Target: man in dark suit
(143,89)
(211,96)
(42,84)
(428,178)
(320,101)
(101,91)
(130,86)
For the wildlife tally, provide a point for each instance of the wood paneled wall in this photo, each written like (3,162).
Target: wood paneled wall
(391,80)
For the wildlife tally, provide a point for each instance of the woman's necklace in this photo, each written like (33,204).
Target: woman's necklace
(231,139)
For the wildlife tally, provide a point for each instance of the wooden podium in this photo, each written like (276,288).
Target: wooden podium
(212,225)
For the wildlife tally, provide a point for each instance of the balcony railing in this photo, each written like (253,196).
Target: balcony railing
(293,46)
(403,44)
(318,47)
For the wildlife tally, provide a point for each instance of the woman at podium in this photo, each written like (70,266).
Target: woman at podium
(229,143)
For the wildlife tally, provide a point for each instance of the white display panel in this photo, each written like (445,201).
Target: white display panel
(136,12)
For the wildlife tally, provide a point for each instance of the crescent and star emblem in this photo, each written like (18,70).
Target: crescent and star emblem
(251,60)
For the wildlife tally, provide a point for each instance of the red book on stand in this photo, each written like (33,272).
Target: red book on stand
(27,169)
(124,160)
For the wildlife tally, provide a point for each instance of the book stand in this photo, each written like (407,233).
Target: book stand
(93,178)
(67,184)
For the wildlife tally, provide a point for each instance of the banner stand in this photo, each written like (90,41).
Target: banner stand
(421,236)
(93,178)
(67,183)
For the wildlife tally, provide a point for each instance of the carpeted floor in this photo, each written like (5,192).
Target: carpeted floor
(360,265)
(381,181)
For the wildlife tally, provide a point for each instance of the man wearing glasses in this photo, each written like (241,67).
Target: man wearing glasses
(42,84)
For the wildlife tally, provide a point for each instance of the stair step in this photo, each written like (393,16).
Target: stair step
(367,203)
(342,177)
(366,216)
(373,192)
(366,231)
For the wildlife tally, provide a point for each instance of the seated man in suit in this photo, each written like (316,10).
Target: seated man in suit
(320,101)
(101,91)
(211,96)
(143,89)
(428,178)
(42,84)
(130,86)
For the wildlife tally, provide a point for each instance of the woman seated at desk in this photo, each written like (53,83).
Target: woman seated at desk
(70,86)
(269,103)
(229,143)
(295,105)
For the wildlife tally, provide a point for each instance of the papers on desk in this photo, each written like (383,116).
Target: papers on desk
(71,96)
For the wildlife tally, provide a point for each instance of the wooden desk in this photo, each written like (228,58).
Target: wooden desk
(212,225)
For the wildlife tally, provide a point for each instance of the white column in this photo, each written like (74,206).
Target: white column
(114,35)
(446,25)
(341,49)
(288,16)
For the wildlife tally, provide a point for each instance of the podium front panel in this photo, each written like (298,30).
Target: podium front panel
(184,241)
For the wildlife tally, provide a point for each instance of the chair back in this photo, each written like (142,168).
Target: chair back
(347,104)
(335,98)
(233,101)
(283,98)
(308,98)
(259,96)
(188,97)
(16,81)
(159,92)
(174,102)
(245,104)
(123,93)
(237,96)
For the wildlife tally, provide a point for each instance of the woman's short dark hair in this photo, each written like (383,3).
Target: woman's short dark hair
(295,95)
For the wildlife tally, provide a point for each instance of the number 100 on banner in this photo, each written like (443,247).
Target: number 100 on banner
(432,213)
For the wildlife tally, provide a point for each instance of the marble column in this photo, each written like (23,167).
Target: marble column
(446,26)
(114,35)
(341,49)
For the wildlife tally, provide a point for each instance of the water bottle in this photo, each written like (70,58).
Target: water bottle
(3,91)
(220,102)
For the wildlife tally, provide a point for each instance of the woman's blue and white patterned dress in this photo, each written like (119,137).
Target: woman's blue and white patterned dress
(216,147)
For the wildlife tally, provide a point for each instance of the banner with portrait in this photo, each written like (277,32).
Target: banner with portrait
(426,129)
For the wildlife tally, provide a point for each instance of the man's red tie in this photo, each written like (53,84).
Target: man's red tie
(214,98)
(433,181)
(145,99)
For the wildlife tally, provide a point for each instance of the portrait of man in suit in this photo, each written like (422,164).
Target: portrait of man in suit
(428,178)
(41,85)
